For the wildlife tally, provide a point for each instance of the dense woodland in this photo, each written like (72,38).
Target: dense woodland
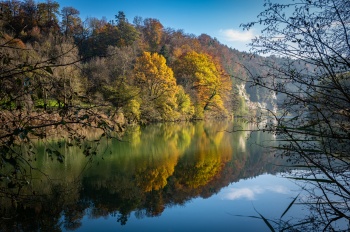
(140,71)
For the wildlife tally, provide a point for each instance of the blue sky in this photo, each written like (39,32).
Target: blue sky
(217,18)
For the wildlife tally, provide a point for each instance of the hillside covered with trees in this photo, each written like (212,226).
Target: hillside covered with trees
(139,71)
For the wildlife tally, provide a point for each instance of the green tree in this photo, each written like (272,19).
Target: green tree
(27,20)
(47,16)
(11,18)
(127,34)
(71,23)
(101,35)
(110,80)
(153,31)
(185,107)
(29,13)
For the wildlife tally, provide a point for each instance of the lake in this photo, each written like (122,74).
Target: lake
(162,177)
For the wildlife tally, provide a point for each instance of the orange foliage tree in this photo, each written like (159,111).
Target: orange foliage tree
(153,31)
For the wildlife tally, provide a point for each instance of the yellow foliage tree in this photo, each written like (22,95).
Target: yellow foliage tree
(183,100)
(158,87)
(204,80)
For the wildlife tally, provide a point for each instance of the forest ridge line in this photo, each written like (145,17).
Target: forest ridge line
(140,71)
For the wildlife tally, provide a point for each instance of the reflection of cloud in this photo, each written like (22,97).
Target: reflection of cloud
(250,192)
(241,193)
(278,189)
(236,35)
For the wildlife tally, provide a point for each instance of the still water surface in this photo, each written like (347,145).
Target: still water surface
(163,177)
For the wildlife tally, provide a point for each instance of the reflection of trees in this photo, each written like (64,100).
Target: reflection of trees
(202,170)
(154,204)
(157,163)
(199,173)
(202,163)
(140,171)
(154,178)
(42,211)
(171,164)
(108,202)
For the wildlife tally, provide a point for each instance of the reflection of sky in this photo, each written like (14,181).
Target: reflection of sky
(251,192)
(261,188)
(271,195)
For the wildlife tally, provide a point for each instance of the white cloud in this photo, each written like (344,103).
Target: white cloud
(250,193)
(236,35)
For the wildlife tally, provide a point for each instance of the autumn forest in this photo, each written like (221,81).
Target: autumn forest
(139,71)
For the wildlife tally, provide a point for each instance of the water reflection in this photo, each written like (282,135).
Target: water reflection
(152,169)
(251,192)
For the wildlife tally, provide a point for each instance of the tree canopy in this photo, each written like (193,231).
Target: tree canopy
(158,86)
(201,76)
